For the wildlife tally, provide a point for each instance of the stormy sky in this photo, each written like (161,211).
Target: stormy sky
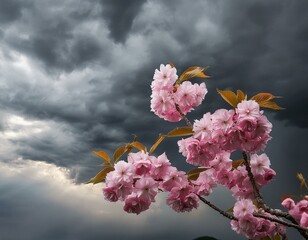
(75,76)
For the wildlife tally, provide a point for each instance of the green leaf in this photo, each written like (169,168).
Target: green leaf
(100,177)
(118,153)
(229,96)
(157,142)
(102,155)
(192,72)
(180,132)
(194,173)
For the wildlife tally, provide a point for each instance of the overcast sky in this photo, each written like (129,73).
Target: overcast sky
(75,76)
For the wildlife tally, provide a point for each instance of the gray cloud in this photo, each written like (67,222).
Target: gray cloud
(119,16)
(76,77)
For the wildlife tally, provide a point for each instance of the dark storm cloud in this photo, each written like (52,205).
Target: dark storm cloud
(53,34)
(79,77)
(119,16)
(11,10)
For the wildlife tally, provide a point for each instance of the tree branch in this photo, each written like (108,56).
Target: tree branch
(189,124)
(302,231)
(227,215)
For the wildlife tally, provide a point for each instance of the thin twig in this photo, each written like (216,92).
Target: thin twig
(189,124)
(252,180)
(227,215)
(283,223)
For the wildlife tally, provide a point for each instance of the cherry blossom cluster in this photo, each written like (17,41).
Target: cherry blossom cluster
(215,137)
(299,210)
(166,94)
(137,182)
(237,179)
(245,128)
(253,227)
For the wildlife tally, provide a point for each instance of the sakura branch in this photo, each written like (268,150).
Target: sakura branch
(207,144)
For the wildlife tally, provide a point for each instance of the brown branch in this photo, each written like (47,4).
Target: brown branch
(189,124)
(302,231)
(227,215)
(261,202)
(252,181)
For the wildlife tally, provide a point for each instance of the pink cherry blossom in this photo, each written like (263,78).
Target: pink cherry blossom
(123,171)
(164,78)
(135,204)
(259,163)
(288,203)
(182,198)
(174,178)
(304,220)
(248,109)
(162,102)
(147,188)
(243,207)
(199,92)
(160,167)
(300,208)
(141,162)
(204,184)
(185,96)
(222,161)
(203,128)
(222,120)
(110,194)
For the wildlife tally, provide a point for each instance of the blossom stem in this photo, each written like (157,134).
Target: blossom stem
(252,180)
(189,124)
(227,215)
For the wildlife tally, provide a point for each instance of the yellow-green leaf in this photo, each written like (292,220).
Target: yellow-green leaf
(103,155)
(277,237)
(266,238)
(139,146)
(100,177)
(157,142)
(263,97)
(193,72)
(180,132)
(230,209)
(271,105)
(264,100)
(301,178)
(240,96)
(118,153)
(105,164)
(128,148)
(237,163)
(229,96)
(193,174)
